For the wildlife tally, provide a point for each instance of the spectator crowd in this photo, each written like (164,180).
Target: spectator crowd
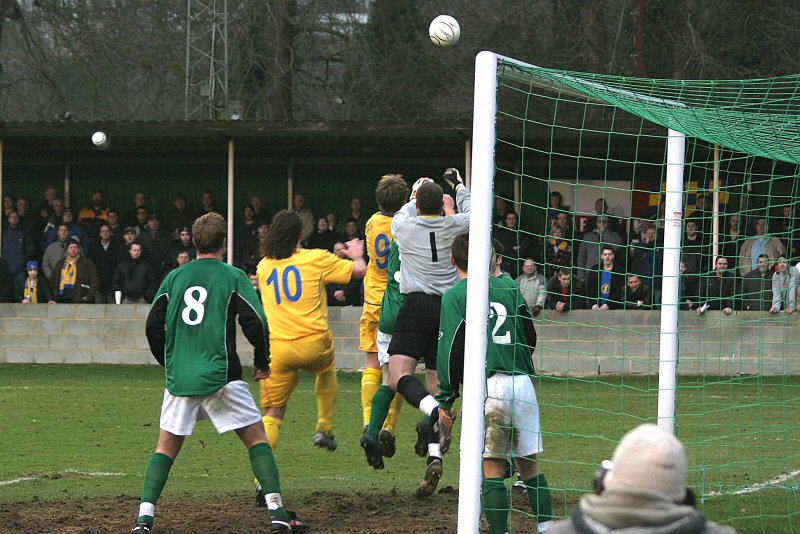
(55,254)
(616,262)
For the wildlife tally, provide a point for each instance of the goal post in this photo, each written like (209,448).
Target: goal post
(480,228)
(670,296)
(669,176)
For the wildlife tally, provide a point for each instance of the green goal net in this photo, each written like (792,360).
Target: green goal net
(580,174)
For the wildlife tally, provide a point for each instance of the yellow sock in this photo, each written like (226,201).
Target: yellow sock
(273,427)
(370,382)
(326,387)
(394,413)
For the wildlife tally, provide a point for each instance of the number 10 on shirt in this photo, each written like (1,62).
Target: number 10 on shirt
(282,285)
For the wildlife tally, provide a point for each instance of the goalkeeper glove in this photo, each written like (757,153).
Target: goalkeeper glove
(416,186)
(453,177)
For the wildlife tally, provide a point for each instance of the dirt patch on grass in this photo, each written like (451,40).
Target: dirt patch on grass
(326,512)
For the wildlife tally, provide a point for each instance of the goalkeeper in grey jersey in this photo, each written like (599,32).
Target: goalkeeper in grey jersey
(424,236)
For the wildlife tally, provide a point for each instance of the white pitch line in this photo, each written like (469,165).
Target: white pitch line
(86,388)
(756,487)
(16,480)
(65,472)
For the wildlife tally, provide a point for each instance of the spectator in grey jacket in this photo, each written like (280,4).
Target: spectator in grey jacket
(784,287)
(643,489)
(533,286)
(590,249)
(55,251)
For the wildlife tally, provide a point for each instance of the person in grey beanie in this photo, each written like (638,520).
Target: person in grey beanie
(643,490)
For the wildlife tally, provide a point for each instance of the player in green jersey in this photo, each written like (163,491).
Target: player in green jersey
(513,426)
(191,330)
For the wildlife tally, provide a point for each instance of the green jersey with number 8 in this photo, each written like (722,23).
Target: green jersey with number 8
(191,327)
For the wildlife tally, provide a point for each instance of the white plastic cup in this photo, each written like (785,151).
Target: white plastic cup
(118,297)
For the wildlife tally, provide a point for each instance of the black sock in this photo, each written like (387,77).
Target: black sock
(412,389)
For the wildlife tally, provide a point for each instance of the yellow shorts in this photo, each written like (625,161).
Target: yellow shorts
(370,318)
(312,353)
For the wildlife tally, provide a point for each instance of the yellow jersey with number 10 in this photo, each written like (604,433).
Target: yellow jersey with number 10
(293,291)
(379,242)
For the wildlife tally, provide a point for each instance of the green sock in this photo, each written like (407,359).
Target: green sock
(266,471)
(495,505)
(540,498)
(155,478)
(381,403)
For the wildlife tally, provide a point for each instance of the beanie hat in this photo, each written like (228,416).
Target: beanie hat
(33,264)
(649,458)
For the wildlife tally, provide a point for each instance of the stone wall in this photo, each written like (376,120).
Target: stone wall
(580,343)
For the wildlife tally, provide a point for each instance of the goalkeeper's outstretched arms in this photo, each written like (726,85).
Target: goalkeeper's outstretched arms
(454,179)
(155,327)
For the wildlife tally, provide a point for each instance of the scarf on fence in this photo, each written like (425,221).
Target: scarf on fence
(30,291)
(69,273)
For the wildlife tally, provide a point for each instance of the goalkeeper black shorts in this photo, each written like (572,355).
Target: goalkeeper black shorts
(416,332)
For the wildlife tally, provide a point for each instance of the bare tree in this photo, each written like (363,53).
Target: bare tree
(361,59)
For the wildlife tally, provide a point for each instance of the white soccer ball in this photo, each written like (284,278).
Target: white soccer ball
(444,31)
(100,140)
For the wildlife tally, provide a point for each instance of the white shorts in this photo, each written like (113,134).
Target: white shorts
(383,348)
(229,408)
(513,425)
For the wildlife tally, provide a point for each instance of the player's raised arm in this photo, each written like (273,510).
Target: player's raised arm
(355,251)
(253,322)
(454,179)
(155,328)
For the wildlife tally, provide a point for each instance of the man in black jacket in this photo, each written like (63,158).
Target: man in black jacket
(155,243)
(104,252)
(757,286)
(135,278)
(638,295)
(183,243)
(717,289)
(560,296)
(606,284)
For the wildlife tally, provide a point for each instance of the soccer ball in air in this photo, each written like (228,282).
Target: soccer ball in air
(444,31)
(100,140)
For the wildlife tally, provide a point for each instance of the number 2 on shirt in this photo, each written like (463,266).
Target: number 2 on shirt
(284,287)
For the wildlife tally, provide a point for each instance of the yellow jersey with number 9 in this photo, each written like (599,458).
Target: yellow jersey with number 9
(379,242)
(293,291)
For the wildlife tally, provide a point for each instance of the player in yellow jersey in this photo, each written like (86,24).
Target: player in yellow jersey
(292,283)
(391,195)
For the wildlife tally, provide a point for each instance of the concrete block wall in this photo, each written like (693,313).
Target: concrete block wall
(95,333)
(582,342)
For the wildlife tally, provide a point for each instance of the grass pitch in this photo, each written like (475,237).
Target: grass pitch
(72,432)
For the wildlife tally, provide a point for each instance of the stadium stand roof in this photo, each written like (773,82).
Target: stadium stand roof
(69,140)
